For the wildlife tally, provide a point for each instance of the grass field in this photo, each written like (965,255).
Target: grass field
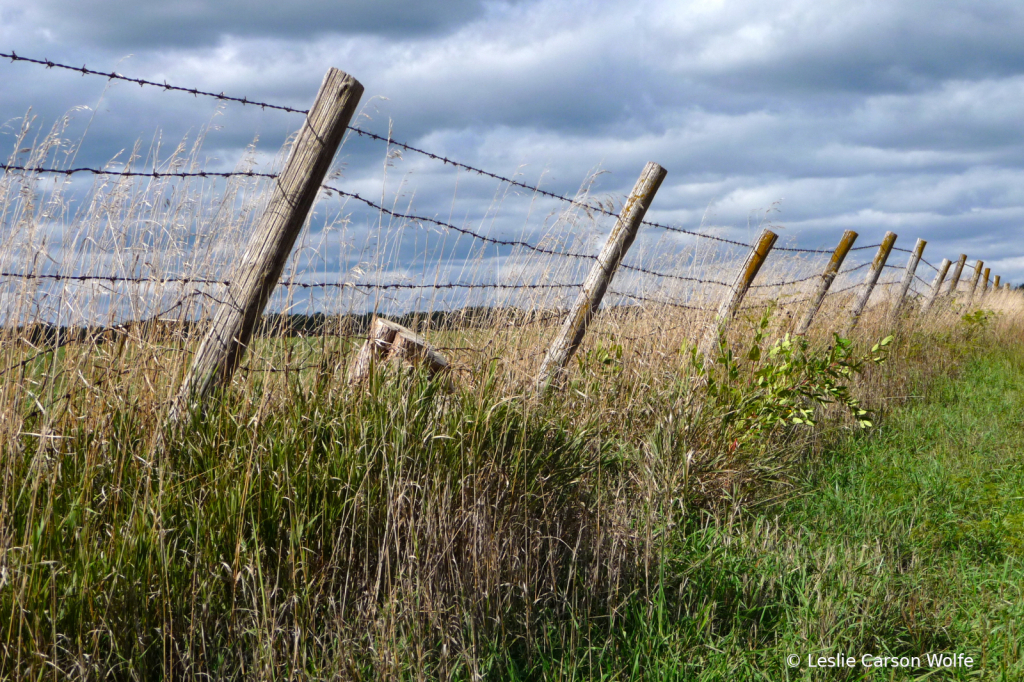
(648,521)
(649,518)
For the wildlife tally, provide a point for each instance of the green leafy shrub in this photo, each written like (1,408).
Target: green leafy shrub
(785,383)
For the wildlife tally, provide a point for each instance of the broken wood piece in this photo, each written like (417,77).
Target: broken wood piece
(391,341)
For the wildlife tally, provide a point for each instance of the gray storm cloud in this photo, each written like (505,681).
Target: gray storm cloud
(867,116)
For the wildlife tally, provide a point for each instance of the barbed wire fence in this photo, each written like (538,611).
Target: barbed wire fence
(528,260)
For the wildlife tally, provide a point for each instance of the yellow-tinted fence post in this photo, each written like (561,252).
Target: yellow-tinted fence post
(958,269)
(974,280)
(869,282)
(731,303)
(826,279)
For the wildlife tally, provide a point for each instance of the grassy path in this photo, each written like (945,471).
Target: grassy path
(904,543)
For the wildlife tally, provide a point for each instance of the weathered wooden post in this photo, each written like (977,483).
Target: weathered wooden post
(984,281)
(585,307)
(826,279)
(390,340)
(260,267)
(869,282)
(954,281)
(908,279)
(995,284)
(734,297)
(936,285)
(974,280)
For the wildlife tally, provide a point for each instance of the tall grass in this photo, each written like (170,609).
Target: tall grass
(301,527)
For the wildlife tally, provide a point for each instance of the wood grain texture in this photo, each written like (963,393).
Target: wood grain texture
(259,269)
(825,280)
(978,265)
(954,280)
(933,294)
(908,279)
(600,276)
(392,342)
(734,297)
(859,303)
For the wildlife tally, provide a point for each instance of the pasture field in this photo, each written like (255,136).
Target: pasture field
(649,520)
(652,517)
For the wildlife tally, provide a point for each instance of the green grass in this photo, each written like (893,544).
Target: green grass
(410,533)
(903,542)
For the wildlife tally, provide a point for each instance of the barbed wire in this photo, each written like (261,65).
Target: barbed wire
(374,136)
(137,174)
(513,242)
(111,75)
(647,299)
(94,334)
(114,278)
(403,285)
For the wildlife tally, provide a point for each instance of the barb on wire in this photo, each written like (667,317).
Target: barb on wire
(512,242)
(647,299)
(402,285)
(114,278)
(137,174)
(537,190)
(785,282)
(141,82)
(374,136)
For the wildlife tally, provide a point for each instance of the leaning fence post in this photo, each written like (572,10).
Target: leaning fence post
(731,303)
(869,282)
(827,277)
(585,307)
(995,284)
(954,281)
(984,282)
(974,280)
(936,285)
(908,279)
(260,267)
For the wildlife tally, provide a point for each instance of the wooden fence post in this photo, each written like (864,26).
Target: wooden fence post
(869,282)
(936,285)
(984,282)
(731,303)
(908,279)
(585,307)
(827,277)
(259,269)
(995,284)
(974,280)
(954,281)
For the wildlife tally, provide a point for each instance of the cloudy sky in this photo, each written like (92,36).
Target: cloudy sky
(871,115)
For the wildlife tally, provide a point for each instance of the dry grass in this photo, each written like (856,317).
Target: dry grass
(303,528)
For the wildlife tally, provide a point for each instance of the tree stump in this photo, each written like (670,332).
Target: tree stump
(393,342)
